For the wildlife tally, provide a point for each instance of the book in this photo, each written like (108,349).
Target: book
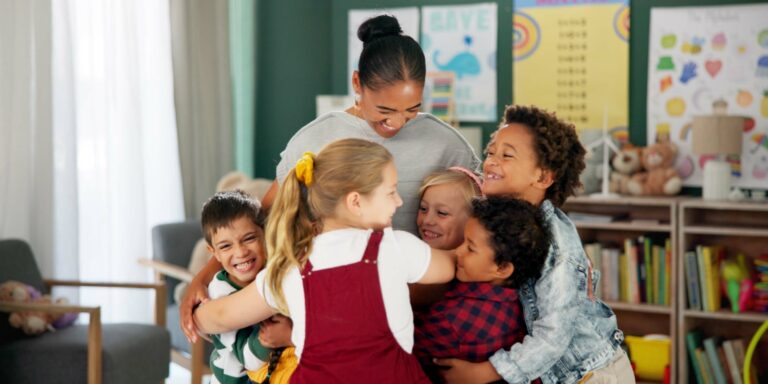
(703,279)
(642,271)
(734,367)
(724,362)
(706,370)
(668,253)
(648,264)
(656,274)
(710,347)
(693,342)
(692,280)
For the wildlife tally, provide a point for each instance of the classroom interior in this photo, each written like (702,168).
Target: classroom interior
(96,191)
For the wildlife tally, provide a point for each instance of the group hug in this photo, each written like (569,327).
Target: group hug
(387,252)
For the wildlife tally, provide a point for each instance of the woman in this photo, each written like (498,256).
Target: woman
(388,90)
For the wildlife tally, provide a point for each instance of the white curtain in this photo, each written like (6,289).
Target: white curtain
(127,154)
(88,148)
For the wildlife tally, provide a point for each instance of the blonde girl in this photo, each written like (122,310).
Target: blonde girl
(336,267)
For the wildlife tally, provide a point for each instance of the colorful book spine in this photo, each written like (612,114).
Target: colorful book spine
(710,347)
(692,280)
(693,342)
(668,253)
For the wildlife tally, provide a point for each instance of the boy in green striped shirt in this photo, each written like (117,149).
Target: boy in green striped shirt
(233,232)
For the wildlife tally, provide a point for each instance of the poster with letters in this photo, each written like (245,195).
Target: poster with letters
(462,39)
(698,56)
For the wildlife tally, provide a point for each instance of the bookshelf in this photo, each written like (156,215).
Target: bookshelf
(740,227)
(611,221)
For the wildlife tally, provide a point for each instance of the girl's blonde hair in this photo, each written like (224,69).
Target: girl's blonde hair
(468,187)
(341,167)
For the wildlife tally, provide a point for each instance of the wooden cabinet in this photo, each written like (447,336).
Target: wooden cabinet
(611,222)
(740,227)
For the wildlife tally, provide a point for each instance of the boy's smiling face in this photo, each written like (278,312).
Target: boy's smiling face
(239,247)
(475,262)
(511,166)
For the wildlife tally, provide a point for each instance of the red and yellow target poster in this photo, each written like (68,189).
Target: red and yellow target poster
(571,56)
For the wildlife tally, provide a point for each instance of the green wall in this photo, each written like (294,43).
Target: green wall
(302,52)
(294,64)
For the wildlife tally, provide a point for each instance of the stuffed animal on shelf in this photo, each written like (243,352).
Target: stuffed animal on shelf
(33,322)
(625,164)
(659,177)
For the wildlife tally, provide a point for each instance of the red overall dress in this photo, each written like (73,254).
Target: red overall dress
(348,339)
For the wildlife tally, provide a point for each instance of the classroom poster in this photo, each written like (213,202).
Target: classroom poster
(407,17)
(572,58)
(699,55)
(462,39)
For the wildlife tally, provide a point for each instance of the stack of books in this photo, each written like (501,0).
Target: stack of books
(716,361)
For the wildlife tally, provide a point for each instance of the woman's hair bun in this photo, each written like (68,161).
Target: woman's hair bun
(377,27)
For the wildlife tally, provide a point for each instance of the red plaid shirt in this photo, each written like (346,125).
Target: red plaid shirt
(471,322)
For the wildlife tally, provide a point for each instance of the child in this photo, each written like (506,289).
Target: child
(572,336)
(233,235)
(505,244)
(446,199)
(352,320)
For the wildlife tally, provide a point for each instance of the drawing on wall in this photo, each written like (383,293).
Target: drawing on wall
(559,54)
(462,40)
(408,18)
(705,58)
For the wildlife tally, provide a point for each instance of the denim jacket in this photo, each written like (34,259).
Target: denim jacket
(569,333)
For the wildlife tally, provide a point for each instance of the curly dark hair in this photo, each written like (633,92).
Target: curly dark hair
(557,147)
(518,234)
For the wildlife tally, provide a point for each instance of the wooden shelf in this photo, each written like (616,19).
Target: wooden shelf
(624,226)
(725,231)
(741,227)
(747,317)
(633,217)
(647,308)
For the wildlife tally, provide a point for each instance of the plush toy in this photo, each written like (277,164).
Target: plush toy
(625,164)
(659,176)
(256,188)
(33,322)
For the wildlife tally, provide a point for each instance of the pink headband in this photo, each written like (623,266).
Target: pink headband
(470,174)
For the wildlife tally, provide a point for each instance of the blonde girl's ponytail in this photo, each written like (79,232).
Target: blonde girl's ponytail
(310,193)
(289,235)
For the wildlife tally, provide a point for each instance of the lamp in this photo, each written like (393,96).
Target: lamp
(717,135)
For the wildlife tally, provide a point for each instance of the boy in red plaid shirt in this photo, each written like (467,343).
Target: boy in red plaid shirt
(505,244)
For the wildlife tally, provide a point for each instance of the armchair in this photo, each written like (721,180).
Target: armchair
(172,246)
(92,353)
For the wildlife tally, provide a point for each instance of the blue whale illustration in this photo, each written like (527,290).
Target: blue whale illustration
(462,64)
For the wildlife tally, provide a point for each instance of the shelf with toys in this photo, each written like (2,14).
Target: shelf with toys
(631,241)
(721,302)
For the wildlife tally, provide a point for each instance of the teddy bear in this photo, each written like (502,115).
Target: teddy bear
(625,164)
(33,322)
(257,188)
(659,176)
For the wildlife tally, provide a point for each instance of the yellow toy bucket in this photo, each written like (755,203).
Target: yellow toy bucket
(650,355)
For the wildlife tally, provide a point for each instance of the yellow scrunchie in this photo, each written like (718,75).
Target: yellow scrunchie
(305,168)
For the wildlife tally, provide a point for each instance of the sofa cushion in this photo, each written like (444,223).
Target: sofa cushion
(131,353)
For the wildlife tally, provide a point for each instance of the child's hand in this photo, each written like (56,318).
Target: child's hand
(196,294)
(460,371)
(275,332)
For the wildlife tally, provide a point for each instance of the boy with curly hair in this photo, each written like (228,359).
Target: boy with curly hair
(572,336)
(505,244)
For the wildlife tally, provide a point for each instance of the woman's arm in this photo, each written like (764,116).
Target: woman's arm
(197,293)
(238,310)
(269,197)
(442,267)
